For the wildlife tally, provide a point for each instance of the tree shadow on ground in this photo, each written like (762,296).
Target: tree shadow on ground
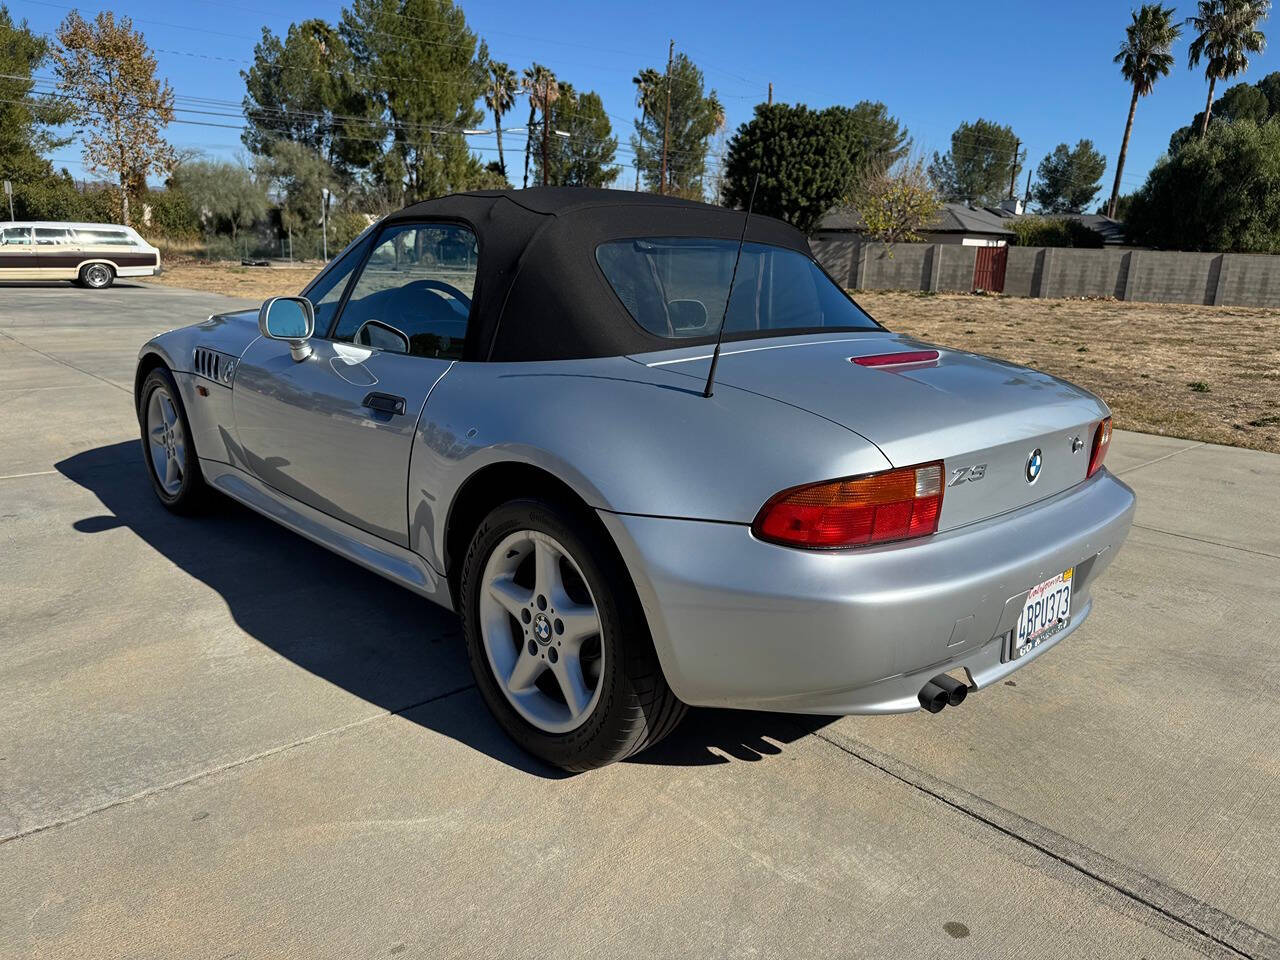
(358,631)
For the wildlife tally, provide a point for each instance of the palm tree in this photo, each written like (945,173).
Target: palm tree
(500,91)
(1226,33)
(1144,58)
(540,85)
(646,81)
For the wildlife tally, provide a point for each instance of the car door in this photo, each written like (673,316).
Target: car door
(55,258)
(335,430)
(17,255)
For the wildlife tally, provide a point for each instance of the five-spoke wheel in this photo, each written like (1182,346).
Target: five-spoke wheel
(557,639)
(166,444)
(167,441)
(541,631)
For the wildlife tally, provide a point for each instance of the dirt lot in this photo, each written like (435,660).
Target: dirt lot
(254,283)
(1204,373)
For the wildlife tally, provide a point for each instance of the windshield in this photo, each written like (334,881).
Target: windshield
(676,287)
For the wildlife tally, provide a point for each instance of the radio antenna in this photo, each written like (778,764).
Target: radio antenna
(715,357)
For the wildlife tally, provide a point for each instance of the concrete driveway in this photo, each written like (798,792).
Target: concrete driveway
(218,740)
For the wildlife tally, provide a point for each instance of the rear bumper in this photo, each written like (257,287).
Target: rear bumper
(742,623)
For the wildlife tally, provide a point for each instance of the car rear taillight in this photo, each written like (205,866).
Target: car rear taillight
(1101,440)
(877,508)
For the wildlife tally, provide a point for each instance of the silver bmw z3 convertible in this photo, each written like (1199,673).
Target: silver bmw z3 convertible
(506,401)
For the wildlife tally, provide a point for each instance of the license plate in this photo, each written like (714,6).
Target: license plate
(1047,608)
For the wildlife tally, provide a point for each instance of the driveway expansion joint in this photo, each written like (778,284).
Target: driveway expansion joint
(229,765)
(1200,921)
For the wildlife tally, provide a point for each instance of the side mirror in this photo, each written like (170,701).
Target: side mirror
(382,336)
(291,319)
(687,314)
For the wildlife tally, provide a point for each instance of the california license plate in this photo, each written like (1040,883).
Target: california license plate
(1045,613)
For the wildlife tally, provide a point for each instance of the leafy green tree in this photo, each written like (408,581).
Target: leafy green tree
(298,174)
(1068,178)
(689,116)
(419,62)
(1144,58)
(1244,101)
(500,89)
(305,90)
(1270,87)
(809,161)
(1219,192)
(982,162)
(585,157)
(1226,33)
(223,194)
(26,118)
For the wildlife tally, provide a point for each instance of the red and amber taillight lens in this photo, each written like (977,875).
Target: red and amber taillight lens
(878,508)
(1101,440)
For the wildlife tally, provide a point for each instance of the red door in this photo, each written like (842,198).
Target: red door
(988,269)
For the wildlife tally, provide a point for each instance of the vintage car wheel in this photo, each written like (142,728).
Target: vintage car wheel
(166,444)
(97,276)
(557,639)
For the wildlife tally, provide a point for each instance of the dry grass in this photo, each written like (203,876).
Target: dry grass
(1204,373)
(233,280)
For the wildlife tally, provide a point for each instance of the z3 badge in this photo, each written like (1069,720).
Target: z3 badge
(967,475)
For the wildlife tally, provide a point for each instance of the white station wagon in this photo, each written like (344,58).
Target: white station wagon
(90,254)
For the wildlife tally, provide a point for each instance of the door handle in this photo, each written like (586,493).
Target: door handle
(385,403)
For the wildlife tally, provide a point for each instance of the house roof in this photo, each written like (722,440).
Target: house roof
(952,218)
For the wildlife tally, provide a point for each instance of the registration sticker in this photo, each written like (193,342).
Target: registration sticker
(1046,611)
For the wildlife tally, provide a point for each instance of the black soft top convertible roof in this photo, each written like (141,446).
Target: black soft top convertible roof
(540,295)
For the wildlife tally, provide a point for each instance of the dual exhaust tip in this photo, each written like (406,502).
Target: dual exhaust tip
(942,691)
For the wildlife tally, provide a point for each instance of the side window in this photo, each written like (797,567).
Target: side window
(50,235)
(104,238)
(15,236)
(418,280)
(325,293)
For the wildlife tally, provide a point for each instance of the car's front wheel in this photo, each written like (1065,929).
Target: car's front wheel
(97,276)
(557,641)
(166,444)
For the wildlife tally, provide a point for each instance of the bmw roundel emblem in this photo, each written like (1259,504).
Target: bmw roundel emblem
(1034,463)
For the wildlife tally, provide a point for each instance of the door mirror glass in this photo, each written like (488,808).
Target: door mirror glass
(687,314)
(286,318)
(382,336)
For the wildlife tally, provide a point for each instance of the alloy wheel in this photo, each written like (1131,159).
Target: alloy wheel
(541,631)
(167,441)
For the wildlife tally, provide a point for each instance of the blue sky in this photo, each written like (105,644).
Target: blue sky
(1043,67)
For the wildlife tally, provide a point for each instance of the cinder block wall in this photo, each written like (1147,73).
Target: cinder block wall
(1236,279)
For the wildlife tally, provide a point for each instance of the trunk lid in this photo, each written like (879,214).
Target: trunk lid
(983,418)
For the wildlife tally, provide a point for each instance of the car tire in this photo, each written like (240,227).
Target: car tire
(630,706)
(96,276)
(167,447)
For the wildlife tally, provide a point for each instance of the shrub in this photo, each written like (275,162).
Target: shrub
(1054,232)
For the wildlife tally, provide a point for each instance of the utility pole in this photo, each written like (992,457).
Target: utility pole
(771,93)
(8,192)
(324,220)
(546,129)
(666,124)
(1013,168)
(1026,194)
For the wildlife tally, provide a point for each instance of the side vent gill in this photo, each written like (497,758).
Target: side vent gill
(212,365)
